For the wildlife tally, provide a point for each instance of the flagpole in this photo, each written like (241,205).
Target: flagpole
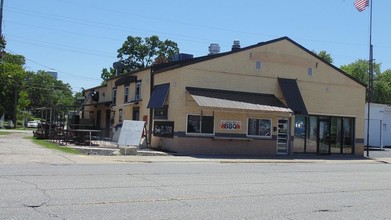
(370,86)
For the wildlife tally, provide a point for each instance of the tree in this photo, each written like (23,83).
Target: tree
(325,56)
(46,91)
(137,53)
(2,43)
(12,79)
(107,73)
(359,70)
(382,88)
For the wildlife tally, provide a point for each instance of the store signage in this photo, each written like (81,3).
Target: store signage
(163,129)
(230,125)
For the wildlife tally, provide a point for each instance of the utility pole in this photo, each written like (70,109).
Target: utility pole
(1,29)
(1,17)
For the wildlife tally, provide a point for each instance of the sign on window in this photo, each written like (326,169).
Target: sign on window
(230,125)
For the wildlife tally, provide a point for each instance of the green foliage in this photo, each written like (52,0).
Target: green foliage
(12,81)
(382,88)
(53,146)
(381,81)
(325,56)
(359,70)
(137,53)
(29,90)
(14,59)
(3,42)
(45,91)
(107,74)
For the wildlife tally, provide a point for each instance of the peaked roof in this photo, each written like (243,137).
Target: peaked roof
(181,63)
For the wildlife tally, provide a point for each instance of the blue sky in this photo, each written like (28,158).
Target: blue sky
(78,38)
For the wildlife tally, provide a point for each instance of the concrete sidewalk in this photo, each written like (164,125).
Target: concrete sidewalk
(99,153)
(197,159)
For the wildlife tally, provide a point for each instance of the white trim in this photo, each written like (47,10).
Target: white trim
(259,136)
(200,134)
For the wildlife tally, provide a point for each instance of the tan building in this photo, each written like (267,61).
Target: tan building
(271,98)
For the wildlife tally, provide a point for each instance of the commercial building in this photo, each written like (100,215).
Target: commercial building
(275,97)
(379,124)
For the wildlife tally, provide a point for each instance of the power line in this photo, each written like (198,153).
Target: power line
(53,69)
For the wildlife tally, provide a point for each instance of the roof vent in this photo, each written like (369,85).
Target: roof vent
(214,49)
(236,45)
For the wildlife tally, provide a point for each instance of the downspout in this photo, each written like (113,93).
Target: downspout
(151,84)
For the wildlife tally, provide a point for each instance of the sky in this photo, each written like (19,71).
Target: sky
(78,38)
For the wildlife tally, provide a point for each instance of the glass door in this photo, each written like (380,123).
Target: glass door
(324,136)
(283,136)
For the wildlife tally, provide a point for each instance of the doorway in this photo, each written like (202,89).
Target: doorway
(324,135)
(283,136)
(107,123)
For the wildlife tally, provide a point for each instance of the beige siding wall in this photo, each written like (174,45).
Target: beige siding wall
(127,107)
(325,92)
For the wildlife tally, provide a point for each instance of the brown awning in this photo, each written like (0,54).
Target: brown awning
(292,95)
(233,100)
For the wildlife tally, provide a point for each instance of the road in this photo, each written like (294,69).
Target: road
(37,183)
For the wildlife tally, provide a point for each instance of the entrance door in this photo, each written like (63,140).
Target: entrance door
(283,136)
(107,123)
(324,136)
(98,119)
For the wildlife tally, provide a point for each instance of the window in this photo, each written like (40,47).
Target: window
(258,65)
(161,113)
(120,115)
(197,124)
(309,71)
(114,98)
(299,141)
(126,94)
(259,127)
(138,91)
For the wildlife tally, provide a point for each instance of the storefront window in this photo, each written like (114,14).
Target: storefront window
(259,127)
(299,141)
(335,137)
(348,135)
(200,125)
(323,134)
(312,135)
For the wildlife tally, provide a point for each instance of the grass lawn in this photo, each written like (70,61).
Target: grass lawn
(53,146)
(3,133)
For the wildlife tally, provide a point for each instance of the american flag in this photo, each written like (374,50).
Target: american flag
(361,4)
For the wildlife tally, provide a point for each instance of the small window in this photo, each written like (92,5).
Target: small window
(126,94)
(309,71)
(200,125)
(258,65)
(259,127)
(138,91)
(114,98)
(161,113)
